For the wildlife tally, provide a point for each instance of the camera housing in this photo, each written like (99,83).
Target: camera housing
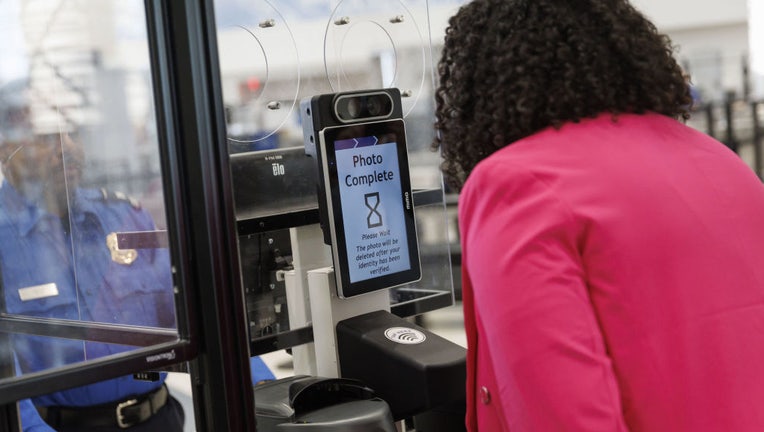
(358,140)
(345,108)
(350,108)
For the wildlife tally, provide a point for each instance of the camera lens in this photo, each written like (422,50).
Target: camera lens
(353,107)
(348,108)
(379,105)
(373,105)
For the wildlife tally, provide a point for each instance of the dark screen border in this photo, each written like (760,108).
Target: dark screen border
(345,288)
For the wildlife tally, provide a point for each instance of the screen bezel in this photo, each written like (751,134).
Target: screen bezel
(327,138)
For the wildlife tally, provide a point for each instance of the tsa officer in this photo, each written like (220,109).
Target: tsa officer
(58,259)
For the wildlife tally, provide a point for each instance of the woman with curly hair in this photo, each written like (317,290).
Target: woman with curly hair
(612,257)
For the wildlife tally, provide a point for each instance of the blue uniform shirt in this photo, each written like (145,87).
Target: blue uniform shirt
(37,249)
(31,421)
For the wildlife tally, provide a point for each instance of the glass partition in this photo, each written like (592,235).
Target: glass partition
(274,53)
(85,263)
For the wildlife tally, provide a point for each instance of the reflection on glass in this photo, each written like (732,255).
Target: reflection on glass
(265,98)
(80,162)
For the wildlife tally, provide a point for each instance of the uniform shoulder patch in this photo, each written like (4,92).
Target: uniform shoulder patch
(110,196)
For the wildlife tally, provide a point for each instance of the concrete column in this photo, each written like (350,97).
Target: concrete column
(756,46)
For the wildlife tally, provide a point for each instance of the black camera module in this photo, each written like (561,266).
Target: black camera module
(351,108)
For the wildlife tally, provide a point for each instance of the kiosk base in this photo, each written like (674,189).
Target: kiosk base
(411,368)
(320,405)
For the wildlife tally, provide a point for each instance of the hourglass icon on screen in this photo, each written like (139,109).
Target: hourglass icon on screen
(374,219)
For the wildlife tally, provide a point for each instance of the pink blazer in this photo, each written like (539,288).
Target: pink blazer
(613,280)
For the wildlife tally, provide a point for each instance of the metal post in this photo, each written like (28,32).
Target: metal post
(710,129)
(327,310)
(308,252)
(746,78)
(9,418)
(9,415)
(185,56)
(730,141)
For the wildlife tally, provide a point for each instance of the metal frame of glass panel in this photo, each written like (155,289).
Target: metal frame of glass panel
(201,233)
(159,348)
(186,55)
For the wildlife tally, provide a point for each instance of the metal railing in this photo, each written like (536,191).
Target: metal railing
(738,124)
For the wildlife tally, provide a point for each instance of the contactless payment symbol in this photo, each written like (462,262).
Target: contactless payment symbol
(405,335)
(374,219)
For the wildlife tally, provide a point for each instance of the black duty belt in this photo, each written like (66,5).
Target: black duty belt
(122,414)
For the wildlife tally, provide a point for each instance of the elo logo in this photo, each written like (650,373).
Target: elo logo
(405,335)
(278,169)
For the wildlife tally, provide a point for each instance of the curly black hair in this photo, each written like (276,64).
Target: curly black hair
(510,68)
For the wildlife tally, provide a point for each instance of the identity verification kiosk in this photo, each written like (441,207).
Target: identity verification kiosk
(366,366)
(364,188)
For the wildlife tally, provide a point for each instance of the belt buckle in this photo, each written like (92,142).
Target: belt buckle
(120,417)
